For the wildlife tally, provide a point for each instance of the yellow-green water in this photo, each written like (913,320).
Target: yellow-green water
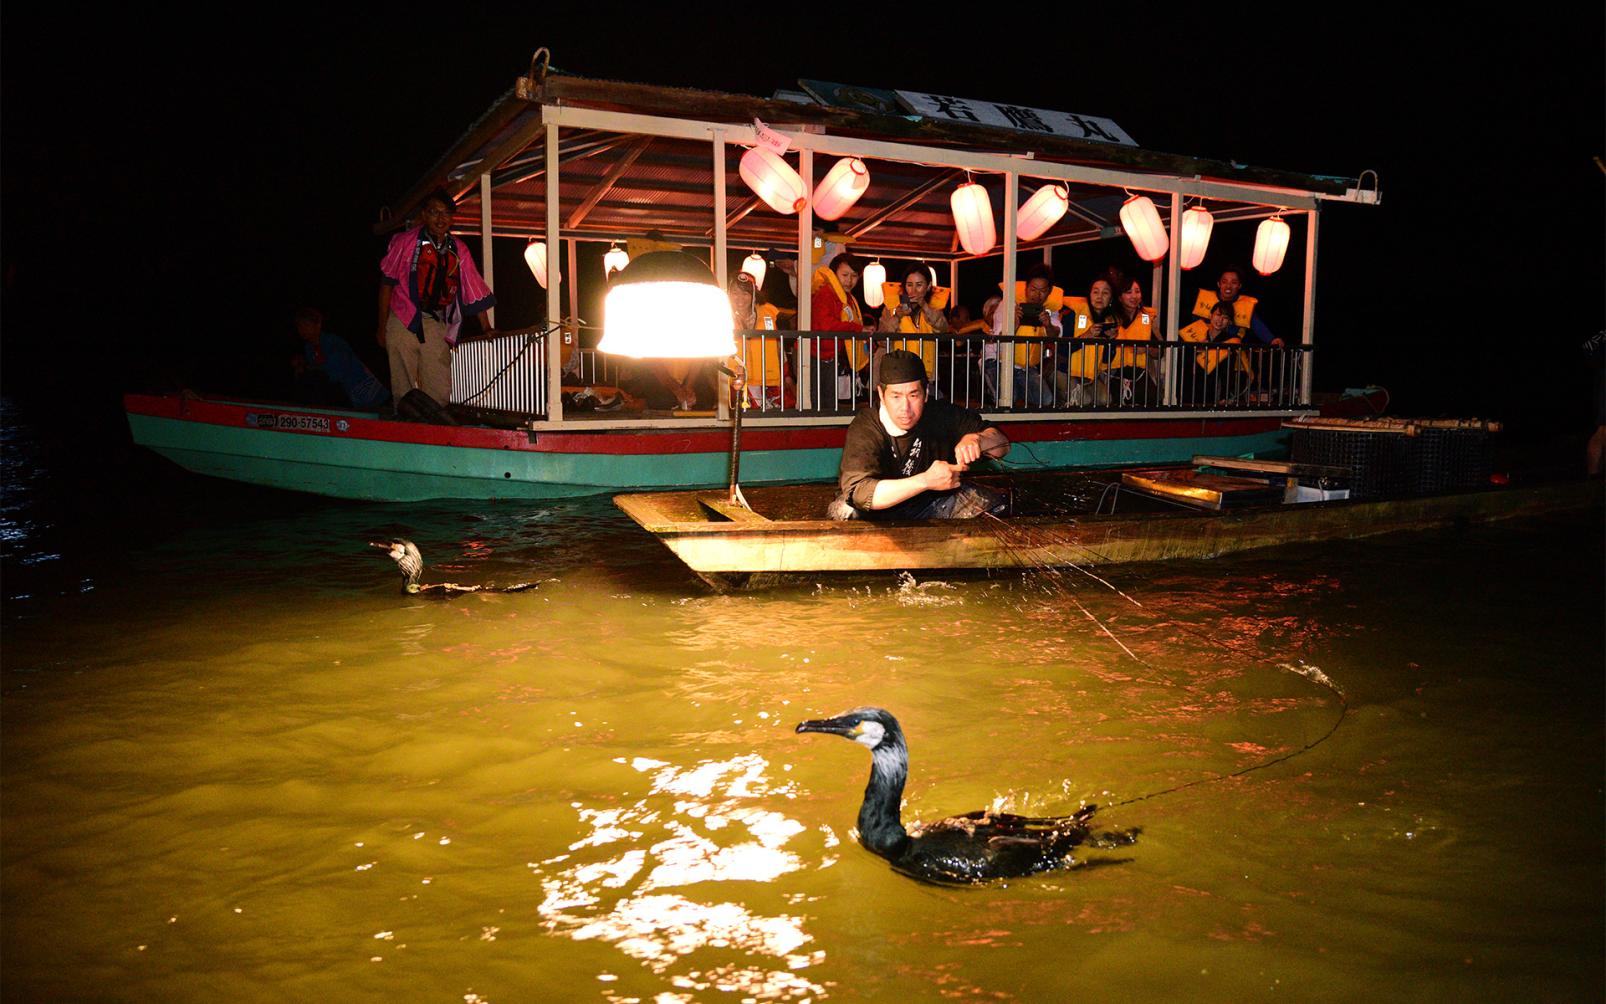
(239,765)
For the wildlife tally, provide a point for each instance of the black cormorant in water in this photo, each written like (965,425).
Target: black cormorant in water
(411,563)
(975,847)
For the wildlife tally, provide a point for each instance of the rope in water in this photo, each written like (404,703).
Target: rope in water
(1006,535)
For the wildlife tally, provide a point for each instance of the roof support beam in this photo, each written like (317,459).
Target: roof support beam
(846,146)
(609,180)
(886,213)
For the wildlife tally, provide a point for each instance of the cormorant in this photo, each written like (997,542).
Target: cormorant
(411,563)
(975,847)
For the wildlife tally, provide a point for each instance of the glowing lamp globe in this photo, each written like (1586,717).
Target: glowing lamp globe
(1271,244)
(875,274)
(1196,226)
(1042,211)
(754,266)
(1142,224)
(973,218)
(615,260)
(773,180)
(666,305)
(840,188)
(535,257)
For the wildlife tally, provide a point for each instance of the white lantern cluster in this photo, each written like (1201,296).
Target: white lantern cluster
(1271,244)
(973,217)
(754,266)
(1042,211)
(840,188)
(773,180)
(535,257)
(1142,224)
(1196,226)
(875,274)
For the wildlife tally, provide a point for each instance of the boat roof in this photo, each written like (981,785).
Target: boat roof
(636,158)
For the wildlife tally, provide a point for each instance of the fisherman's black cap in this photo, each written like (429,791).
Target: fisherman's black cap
(900,366)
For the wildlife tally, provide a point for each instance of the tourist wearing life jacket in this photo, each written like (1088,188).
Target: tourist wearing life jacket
(1218,376)
(1079,370)
(770,383)
(836,309)
(1132,369)
(914,308)
(1229,290)
(1033,320)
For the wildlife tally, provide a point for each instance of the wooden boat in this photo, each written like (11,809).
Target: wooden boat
(570,161)
(727,546)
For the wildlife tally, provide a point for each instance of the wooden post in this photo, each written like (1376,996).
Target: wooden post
(805,306)
(1006,350)
(1174,368)
(1308,328)
(487,263)
(572,285)
(554,342)
(722,398)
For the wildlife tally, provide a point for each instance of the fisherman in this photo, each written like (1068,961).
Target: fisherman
(429,283)
(903,459)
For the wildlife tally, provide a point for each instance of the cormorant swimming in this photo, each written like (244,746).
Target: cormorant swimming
(411,563)
(975,847)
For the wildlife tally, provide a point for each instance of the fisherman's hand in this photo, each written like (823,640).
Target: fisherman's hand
(968,450)
(941,475)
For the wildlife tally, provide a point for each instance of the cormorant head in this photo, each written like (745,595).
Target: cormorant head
(405,554)
(870,727)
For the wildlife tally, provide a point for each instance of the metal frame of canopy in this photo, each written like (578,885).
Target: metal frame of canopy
(654,182)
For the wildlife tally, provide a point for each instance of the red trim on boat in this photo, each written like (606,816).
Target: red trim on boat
(273,417)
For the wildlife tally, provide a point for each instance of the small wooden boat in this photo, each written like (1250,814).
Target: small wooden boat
(786,532)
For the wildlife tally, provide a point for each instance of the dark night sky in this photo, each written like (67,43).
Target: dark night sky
(174,184)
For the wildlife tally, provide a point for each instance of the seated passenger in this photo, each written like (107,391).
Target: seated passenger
(1079,372)
(1033,320)
(1222,374)
(903,459)
(1229,290)
(836,309)
(1132,370)
(914,307)
(327,370)
(769,372)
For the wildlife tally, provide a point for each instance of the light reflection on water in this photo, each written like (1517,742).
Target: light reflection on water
(244,766)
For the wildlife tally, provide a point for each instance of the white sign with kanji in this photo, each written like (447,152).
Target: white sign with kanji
(994,113)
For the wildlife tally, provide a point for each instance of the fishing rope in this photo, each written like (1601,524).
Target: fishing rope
(530,339)
(1309,673)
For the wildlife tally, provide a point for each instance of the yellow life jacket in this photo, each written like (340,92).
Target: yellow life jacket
(1243,308)
(916,324)
(1209,359)
(1055,301)
(1026,353)
(1142,329)
(858,350)
(763,356)
(1078,323)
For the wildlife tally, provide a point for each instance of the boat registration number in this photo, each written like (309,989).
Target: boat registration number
(289,423)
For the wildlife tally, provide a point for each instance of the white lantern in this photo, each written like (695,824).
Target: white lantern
(754,266)
(666,305)
(535,257)
(840,188)
(1196,226)
(973,217)
(1042,211)
(773,180)
(1271,243)
(875,274)
(616,259)
(1142,224)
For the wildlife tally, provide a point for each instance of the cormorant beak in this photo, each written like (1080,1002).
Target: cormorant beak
(847,728)
(375,543)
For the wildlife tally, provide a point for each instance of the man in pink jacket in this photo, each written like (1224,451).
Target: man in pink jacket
(429,283)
